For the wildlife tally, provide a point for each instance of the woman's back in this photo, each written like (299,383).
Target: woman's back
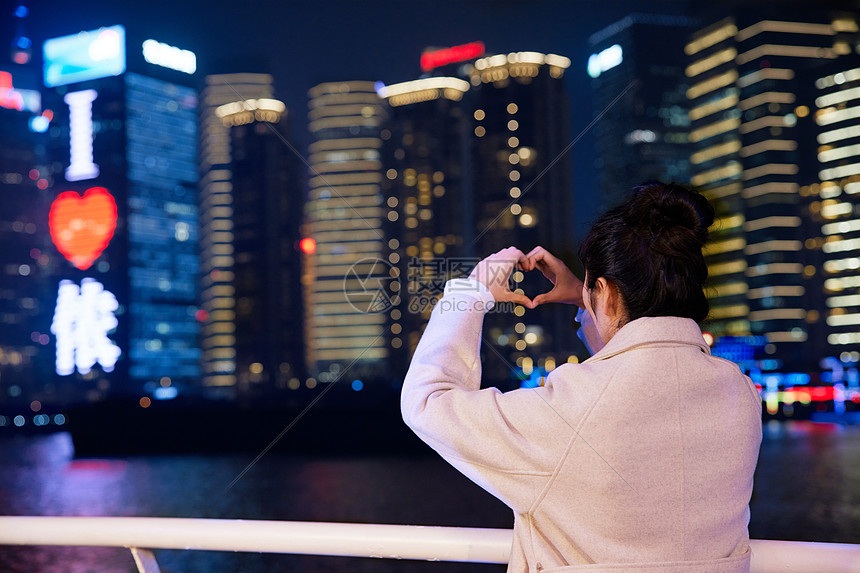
(663,450)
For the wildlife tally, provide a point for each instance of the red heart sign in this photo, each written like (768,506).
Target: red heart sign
(82,227)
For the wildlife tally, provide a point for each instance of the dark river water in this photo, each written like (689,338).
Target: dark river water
(807,488)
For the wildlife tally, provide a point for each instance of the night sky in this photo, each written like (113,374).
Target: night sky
(308,42)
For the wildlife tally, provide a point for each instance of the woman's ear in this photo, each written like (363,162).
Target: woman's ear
(610,298)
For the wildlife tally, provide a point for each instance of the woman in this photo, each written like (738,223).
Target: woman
(641,458)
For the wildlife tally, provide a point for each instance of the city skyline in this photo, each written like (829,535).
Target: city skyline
(382,41)
(510,114)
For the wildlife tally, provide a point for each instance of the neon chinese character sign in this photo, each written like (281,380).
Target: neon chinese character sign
(83,318)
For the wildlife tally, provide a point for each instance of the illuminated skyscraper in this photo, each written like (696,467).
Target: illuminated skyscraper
(26,262)
(124,218)
(643,135)
(217,256)
(475,164)
(523,194)
(834,200)
(346,278)
(428,193)
(267,212)
(745,74)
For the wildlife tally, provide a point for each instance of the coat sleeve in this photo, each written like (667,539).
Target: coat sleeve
(506,443)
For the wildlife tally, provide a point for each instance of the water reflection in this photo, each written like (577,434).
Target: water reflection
(807,488)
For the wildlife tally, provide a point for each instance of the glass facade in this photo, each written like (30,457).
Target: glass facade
(124,222)
(523,196)
(748,99)
(267,212)
(474,164)
(428,195)
(162,227)
(26,265)
(218,301)
(834,201)
(644,135)
(347,279)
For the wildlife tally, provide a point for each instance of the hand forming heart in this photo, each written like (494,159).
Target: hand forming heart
(494,271)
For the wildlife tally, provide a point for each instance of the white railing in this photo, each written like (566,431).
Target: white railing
(351,540)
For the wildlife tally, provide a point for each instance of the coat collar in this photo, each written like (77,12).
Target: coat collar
(651,330)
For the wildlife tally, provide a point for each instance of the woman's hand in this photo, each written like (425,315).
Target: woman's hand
(494,271)
(566,288)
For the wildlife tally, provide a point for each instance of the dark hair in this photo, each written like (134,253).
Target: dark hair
(650,247)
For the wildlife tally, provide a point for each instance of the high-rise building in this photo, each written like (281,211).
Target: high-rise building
(347,278)
(267,213)
(124,215)
(26,259)
(428,192)
(474,164)
(639,87)
(217,234)
(833,201)
(523,196)
(746,75)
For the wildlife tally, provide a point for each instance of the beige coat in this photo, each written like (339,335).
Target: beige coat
(639,459)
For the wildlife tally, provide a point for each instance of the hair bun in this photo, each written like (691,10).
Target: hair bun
(656,208)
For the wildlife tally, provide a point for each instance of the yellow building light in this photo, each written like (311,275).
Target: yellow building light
(789,336)
(783,290)
(768,145)
(728,171)
(727,268)
(832,154)
(712,61)
(713,129)
(765,50)
(831,115)
(724,246)
(843,319)
(844,25)
(770,169)
(766,98)
(784,27)
(765,74)
(730,311)
(722,191)
(772,187)
(726,223)
(712,84)
(728,289)
(843,301)
(839,172)
(724,31)
(715,151)
(777,314)
(772,221)
(706,109)
(763,122)
(774,245)
(835,135)
(774,269)
(837,97)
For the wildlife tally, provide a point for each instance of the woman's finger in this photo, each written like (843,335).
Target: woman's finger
(521,299)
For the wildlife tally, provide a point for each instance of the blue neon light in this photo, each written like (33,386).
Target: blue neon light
(84,56)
